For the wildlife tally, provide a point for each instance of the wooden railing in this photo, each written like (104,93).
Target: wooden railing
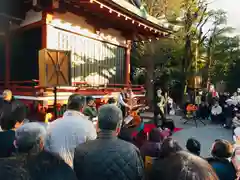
(33,86)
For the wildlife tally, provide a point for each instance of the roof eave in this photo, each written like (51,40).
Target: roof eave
(131,10)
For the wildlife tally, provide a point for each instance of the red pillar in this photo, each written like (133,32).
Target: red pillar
(44,30)
(128,57)
(7,61)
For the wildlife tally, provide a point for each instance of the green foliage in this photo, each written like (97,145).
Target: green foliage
(172,60)
(195,16)
(218,45)
(158,57)
(226,55)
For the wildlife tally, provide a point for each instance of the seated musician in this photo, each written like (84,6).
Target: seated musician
(112,101)
(90,110)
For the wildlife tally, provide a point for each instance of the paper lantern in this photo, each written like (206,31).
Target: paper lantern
(195,82)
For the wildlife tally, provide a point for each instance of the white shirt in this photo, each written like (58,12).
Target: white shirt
(66,133)
(216,110)
(121,101)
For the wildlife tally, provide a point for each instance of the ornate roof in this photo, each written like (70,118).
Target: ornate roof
(136,8)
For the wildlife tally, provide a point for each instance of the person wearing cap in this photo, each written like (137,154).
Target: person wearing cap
(74,128)
(108,157)
(7,136)
(29,137)
(90,110)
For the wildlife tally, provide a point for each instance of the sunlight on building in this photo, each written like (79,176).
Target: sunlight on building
(96,80)
(93,62)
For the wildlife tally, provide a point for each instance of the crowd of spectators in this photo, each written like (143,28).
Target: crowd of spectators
(72,148)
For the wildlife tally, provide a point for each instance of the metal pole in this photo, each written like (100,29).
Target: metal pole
(55,102)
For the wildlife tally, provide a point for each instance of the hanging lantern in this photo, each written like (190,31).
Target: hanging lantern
(195,82)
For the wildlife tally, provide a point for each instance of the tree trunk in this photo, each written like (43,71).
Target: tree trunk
(186,62)
(209,62)
(149,81)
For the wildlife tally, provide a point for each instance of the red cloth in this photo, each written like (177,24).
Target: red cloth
(149,127)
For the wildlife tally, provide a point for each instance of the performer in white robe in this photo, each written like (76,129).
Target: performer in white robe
(216,113)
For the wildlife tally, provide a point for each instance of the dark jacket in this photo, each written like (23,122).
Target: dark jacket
(151,149)
(223,168)
(6,108)
(108,158)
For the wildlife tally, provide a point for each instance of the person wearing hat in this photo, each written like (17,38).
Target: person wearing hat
(90,110)
(66,133)
(30,137)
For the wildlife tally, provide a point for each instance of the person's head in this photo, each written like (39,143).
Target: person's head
(140,138)
(124,90)
(90,101)
(182,166)
(7,95)
(211,88)
(235,94)
(112,101)
(193,146)
(30,137)
(16,118)
(169,147)
(238,90)
(129,90)
(222,149)
(159,92)
(110,118)
(155,135)
(76,102)
(48,166)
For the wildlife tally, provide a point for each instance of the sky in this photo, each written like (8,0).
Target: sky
(232,7)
